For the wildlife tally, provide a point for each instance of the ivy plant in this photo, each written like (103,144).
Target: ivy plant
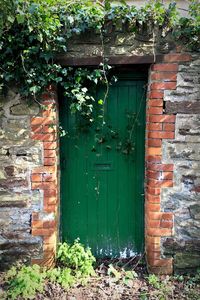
(33,32)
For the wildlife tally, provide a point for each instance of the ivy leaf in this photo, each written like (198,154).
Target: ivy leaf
(70,19)
(34,89)
(20,19)
(11,19)
(84,89)
(100,102)
(40,38)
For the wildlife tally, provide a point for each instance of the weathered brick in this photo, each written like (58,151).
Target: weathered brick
(163,118)
(154,142)
(154,151)
(155,102)
(166,76)
(165,67)
(179,57)
(163,86)
(161,135)
(155,94)
(155,110)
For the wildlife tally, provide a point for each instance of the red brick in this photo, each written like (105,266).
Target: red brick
(180,57)
(152,198)
(152,207)
(153,190)
(156,94)
(154,151)
(153,158)
(50,145)
(159,231)
(37,128)
(167,216)
(49,113)
(160,167)
(49,104)
(152,215)
(151,248)
(50,208)
(49,247)
(166,224)
(47,98)
(154,254)
(43,185)
(155,102)
(152,240)
(167,175)
(165,67)
(49,153)
(162,119)
(42,121)
(51,239)
(163,86)
(35,216)
(36,177)
(155,110)
(49,129)
(51,88)
(154,142)
(172,76)
(50,200)
(49,161)
(153,174)
(37,224)
(153,223)
(161,135)
(160,183)
(42,231)
(50,193)
(48,177)
(160,175)
(159,262)
(169,127)
(49,224)
(45,169)
(43,137)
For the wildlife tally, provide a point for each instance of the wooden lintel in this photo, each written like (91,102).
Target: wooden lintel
(112,60)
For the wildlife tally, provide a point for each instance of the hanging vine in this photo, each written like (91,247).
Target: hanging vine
(33,32)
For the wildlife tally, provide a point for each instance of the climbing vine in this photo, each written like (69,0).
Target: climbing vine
(33,32)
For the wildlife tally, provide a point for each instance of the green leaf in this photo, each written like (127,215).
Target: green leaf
(100,102)
(20,19)
(11,19)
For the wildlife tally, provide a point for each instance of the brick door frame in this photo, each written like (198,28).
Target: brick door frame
(158,175)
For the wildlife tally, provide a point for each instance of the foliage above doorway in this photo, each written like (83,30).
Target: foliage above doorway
(33,32)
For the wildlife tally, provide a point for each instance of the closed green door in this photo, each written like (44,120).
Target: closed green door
(102,173)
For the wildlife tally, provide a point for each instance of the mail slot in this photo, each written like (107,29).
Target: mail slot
(104,166)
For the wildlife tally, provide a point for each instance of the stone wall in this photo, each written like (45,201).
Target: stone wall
(21,203)
(184,152)
(172,164)
(18,155)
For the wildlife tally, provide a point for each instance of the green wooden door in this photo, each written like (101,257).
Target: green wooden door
(102,174)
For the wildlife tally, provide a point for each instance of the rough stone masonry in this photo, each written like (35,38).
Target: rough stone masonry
(18,155)
(29,189)
(184,152)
